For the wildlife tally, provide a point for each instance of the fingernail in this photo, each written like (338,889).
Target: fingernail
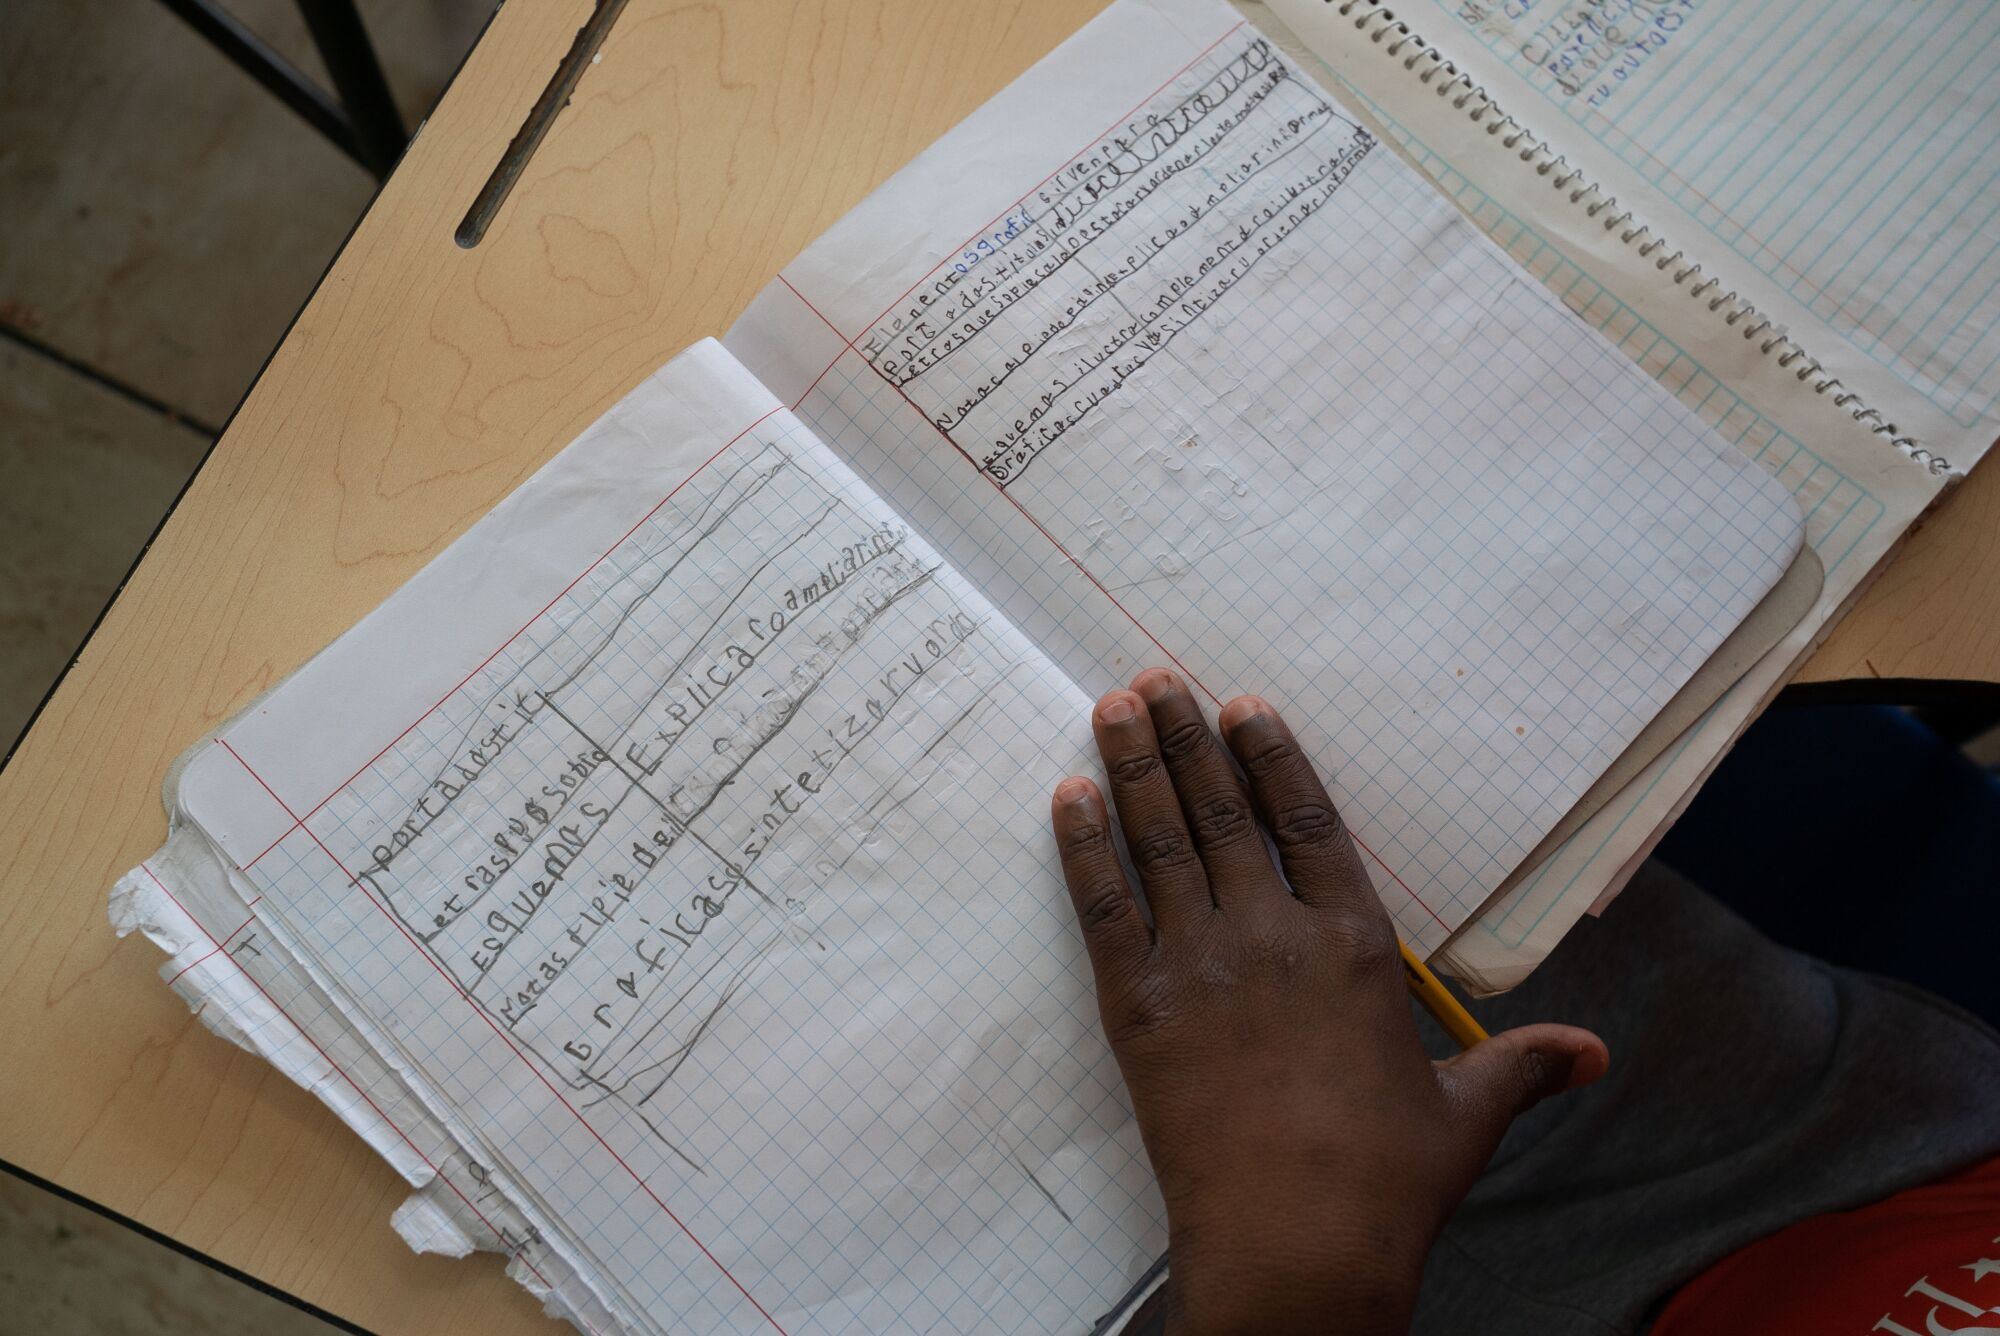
(1072,790)
(1154,683)
(1243,709)
(1116,710)
(1586,1067)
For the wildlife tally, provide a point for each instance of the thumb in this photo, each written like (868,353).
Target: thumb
(1499,1079)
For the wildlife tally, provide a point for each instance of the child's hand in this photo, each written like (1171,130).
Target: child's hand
(1307,1149)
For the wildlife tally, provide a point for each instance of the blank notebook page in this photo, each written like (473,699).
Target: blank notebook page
(1182,367)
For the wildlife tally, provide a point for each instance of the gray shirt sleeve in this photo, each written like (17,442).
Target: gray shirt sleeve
(1750,1086)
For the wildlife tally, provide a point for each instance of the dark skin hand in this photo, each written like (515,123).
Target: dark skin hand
(1307,1149)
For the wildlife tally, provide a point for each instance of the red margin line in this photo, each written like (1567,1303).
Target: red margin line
(1116,604)
(328,1059)
(1053,540)
(211,937)
(847,345)
(299,823)
(1192,61)
(822,316)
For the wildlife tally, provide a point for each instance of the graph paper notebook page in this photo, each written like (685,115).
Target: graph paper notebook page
(1218,380)
(1778,111)
(713,911)
(1833,162)
(660,878)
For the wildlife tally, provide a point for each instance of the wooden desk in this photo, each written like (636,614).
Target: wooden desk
(421,384)
(1934,611)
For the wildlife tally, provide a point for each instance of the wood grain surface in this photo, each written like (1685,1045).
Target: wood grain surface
(420,385)
(1934,608)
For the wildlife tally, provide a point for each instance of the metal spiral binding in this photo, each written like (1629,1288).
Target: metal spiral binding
(1446,79)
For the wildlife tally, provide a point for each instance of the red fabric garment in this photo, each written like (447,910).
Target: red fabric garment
(1924,1262)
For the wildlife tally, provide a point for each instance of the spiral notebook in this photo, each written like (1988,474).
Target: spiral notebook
(1785,211)
(660,879)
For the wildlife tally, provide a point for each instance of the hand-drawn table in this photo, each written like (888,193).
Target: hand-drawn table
(422,383)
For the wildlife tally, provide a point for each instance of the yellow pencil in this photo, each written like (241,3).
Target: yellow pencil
(1438,1001)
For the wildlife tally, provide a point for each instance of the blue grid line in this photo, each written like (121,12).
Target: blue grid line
(1816,119)
(1640,340)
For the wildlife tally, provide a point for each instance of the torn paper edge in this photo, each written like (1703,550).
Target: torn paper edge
(335,1062)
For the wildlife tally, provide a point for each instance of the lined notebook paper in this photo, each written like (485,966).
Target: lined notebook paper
(673,846)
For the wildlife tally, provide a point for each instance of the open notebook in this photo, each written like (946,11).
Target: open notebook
(660,879)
